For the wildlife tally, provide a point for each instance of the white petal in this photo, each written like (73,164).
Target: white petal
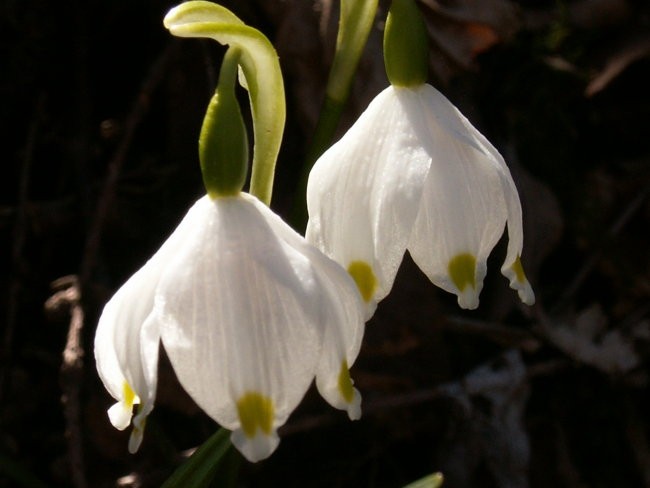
(363,193)
(512,267)
(126,348)
(120,415)
(459,127)
(256,448)
(342,313)
(463,210)
(237,316)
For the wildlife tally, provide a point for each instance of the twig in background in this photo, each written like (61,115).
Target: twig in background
(71,373)
(628,212)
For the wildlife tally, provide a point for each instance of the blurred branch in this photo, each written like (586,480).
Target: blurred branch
(417,397)
(608,236)
(71,373)
(617,63)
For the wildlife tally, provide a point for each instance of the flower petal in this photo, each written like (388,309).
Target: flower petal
(463,211)
(344,330)
(363,193)
(126,342)
(459,127)
(512,267)
(236,313)
(342,315)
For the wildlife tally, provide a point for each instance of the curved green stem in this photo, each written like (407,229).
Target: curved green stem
(263,79)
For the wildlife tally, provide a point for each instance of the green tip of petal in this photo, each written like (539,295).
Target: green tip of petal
(345,383)
(129,395)
(519,282)
(519,270)
(255,411)
(462,270)
(406,45)
(365,279)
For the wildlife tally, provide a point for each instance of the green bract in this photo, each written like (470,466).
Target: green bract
(261,69)
(406,45)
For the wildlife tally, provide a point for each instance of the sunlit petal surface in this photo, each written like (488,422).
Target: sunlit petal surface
(249,314)
(413,173)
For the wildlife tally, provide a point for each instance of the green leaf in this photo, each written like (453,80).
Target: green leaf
(263,79)
(199,470)
(432,481)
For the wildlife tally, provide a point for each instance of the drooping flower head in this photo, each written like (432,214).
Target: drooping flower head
(413,173)
(248,312)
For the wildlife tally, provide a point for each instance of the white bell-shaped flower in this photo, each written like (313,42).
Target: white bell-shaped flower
(413,173)
(249,314)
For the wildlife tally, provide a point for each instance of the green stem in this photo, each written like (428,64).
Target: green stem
(355,21)
(262,78)
(199,470)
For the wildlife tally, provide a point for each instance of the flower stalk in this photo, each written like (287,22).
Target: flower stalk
(261,77)
(355,21)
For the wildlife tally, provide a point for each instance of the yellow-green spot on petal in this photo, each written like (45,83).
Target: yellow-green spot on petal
(462,269)
(519,270)
(365,279)
(255,412)
(129,395)
(345,383)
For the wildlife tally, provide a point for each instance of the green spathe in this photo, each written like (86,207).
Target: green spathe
(406,45)
(223,144)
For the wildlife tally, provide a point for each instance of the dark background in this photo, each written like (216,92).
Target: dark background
(100,110)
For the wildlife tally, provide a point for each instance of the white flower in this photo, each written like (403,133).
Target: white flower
(249,314)
(413,173)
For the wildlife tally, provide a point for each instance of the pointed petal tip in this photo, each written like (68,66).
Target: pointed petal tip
(369,310)
(120,415)
(255,448)
(135,439)
(139,423)
(518,281)
(354,407)
(526,293)
(338,390)
(468,298)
